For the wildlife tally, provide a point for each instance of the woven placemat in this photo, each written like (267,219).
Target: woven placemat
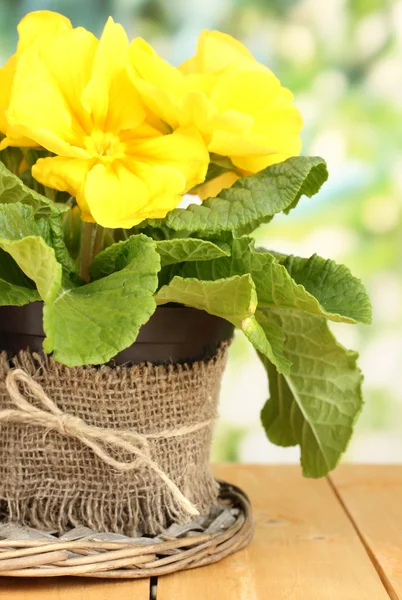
(26,552)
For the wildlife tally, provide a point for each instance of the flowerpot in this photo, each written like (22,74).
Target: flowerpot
(122,447)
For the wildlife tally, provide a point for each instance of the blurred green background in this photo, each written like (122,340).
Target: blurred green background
(343,61)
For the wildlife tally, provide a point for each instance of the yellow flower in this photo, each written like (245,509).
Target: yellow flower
(73,96)
(237,104)
(33,26)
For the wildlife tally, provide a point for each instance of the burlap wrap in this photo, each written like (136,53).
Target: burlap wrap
(52,481)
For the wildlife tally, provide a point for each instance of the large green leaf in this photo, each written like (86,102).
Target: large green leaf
(16,295)
(335,288)
(12,190)
(92,323)
(317,403)
(189,250)
(37,260)
(25,238)
(251,200)
(15,287)
(233,299)
(170,251)
(18,221)
(276,289)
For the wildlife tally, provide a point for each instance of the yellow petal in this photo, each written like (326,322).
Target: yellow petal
(211,189)
(152,68)
(280,118)
(197,110)
(41,22)
(254,164)
(245,91)
(125,110)
(7,74)
(6,80)
(119,196)
(110,58)
(66,175)
(184,150)
(230,144)
(43,104)
(158,101)
(32,27)
(234,121)
(216,51)
(159,84)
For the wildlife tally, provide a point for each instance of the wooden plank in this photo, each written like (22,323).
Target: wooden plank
(372,496)
(305,547)
(71,588)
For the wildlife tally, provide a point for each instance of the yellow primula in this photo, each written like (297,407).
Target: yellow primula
(73,96)
(36,25)
(237,104)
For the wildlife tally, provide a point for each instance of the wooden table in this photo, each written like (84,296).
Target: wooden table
(332,539)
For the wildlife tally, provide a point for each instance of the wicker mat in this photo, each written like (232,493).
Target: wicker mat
(27,552)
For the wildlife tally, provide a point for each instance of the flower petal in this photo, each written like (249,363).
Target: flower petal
(184,150)
(245,91)
(66,175)
(151,67)
(40,22)
(231,144)
(216,51)
(43,104)
(211,189)
(124,194)
(159,84)
(31,28)
(125,110)
(6,81)
(197,110)
(110,59)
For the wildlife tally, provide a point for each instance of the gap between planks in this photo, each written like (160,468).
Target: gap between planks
(381,573)
(372,497)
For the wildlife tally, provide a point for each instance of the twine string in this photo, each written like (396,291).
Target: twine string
(98,439)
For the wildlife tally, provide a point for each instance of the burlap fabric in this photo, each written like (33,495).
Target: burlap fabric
(51,481)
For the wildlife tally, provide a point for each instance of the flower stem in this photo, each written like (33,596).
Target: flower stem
(86,249)
(91,245)
(98,243)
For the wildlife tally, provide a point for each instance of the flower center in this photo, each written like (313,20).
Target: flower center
(105,145)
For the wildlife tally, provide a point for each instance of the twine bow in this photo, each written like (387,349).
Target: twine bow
(96,438)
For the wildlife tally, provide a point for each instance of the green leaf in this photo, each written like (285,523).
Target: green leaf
(317,403)
(37,260)
(335,288)
(12,190)
(15,295)
(57,234)
(18,221)
(276,289)
(92,323)
(15,288)
(24,239)
(233,299)
(251,200)
(189,250)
